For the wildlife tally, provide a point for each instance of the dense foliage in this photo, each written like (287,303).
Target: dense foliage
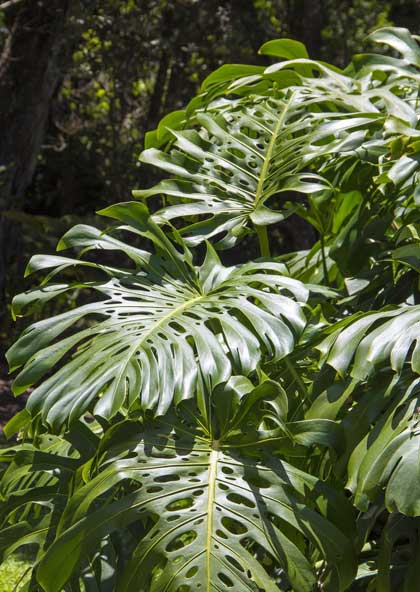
(82,81)
(206,426)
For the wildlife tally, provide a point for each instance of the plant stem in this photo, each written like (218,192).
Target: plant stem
(263,240)
(298,380)
(324,259)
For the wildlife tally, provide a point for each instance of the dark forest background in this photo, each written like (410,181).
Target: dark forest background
(81,82)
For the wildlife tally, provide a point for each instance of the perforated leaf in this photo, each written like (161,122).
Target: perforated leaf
(244,153)
(163,328)
(218,512)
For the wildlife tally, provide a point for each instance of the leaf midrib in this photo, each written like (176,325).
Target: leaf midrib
(269,153)
(214,457)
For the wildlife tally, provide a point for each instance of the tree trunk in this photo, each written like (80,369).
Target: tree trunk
(313,23)
(29,74)
(253,30)
(305,22)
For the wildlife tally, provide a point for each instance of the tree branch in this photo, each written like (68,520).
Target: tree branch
(9,3)
(6,54)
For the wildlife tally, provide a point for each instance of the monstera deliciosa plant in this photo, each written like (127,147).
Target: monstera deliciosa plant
(196,426)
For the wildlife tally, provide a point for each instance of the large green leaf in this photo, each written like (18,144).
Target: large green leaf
(218,510)
(400,40)
(386,459)
(399,553)
(362,343)
(160,331)
(284,48)
(244,153)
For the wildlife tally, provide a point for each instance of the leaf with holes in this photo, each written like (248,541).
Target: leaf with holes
(160,331)
(243,155)
(218,511)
